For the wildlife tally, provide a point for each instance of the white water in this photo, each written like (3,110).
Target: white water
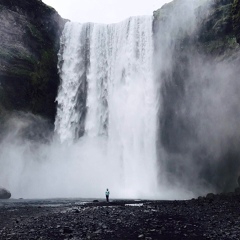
(121,103)
(105,125)
(72,70)
(106,120)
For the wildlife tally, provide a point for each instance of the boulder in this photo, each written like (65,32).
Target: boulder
(237,191)
(4,193)
(210,196)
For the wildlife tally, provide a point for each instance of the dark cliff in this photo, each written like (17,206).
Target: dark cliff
(200,88)
(236,19)
(30,35)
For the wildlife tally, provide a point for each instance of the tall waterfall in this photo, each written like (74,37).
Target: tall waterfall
(108,94)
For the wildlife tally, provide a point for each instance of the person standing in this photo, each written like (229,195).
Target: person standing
(107,195)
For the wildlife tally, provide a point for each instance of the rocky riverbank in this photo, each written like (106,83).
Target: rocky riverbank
(215,217)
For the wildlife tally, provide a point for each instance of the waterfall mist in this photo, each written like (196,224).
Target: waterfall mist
(199,94)
(83,169)
(105,128)
(146,119)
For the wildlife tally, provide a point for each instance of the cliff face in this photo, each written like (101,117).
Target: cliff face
(30,33)
(197,59)
(236,19)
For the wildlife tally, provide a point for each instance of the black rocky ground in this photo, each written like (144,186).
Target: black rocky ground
(215,217)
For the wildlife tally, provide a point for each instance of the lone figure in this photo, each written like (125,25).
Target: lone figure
(107,195)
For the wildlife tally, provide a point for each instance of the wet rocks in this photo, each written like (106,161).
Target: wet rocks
(210,196)
(67,230)
(4,193)
(192,219)
(237,190)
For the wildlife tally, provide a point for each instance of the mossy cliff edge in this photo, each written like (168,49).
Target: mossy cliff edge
(30,35)
(218,25)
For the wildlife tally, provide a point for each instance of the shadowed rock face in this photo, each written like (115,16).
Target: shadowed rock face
(30,33)
(236,19)
(4,194)
(199,93)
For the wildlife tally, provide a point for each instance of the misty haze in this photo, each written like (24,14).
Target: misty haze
(147,107)
(125,130)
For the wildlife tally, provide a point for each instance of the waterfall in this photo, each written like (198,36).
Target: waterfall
(108,92)
(71,99)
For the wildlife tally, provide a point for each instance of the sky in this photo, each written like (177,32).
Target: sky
(103,11)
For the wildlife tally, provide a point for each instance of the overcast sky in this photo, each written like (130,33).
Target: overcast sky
(104,11)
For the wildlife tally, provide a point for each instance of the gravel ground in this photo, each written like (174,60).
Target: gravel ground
(216,217)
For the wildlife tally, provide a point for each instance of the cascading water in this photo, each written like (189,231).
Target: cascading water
(71,99)
(108,106)
(108,94)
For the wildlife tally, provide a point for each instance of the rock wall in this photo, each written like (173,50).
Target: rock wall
(236,19)
(199,93)
(30,33)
